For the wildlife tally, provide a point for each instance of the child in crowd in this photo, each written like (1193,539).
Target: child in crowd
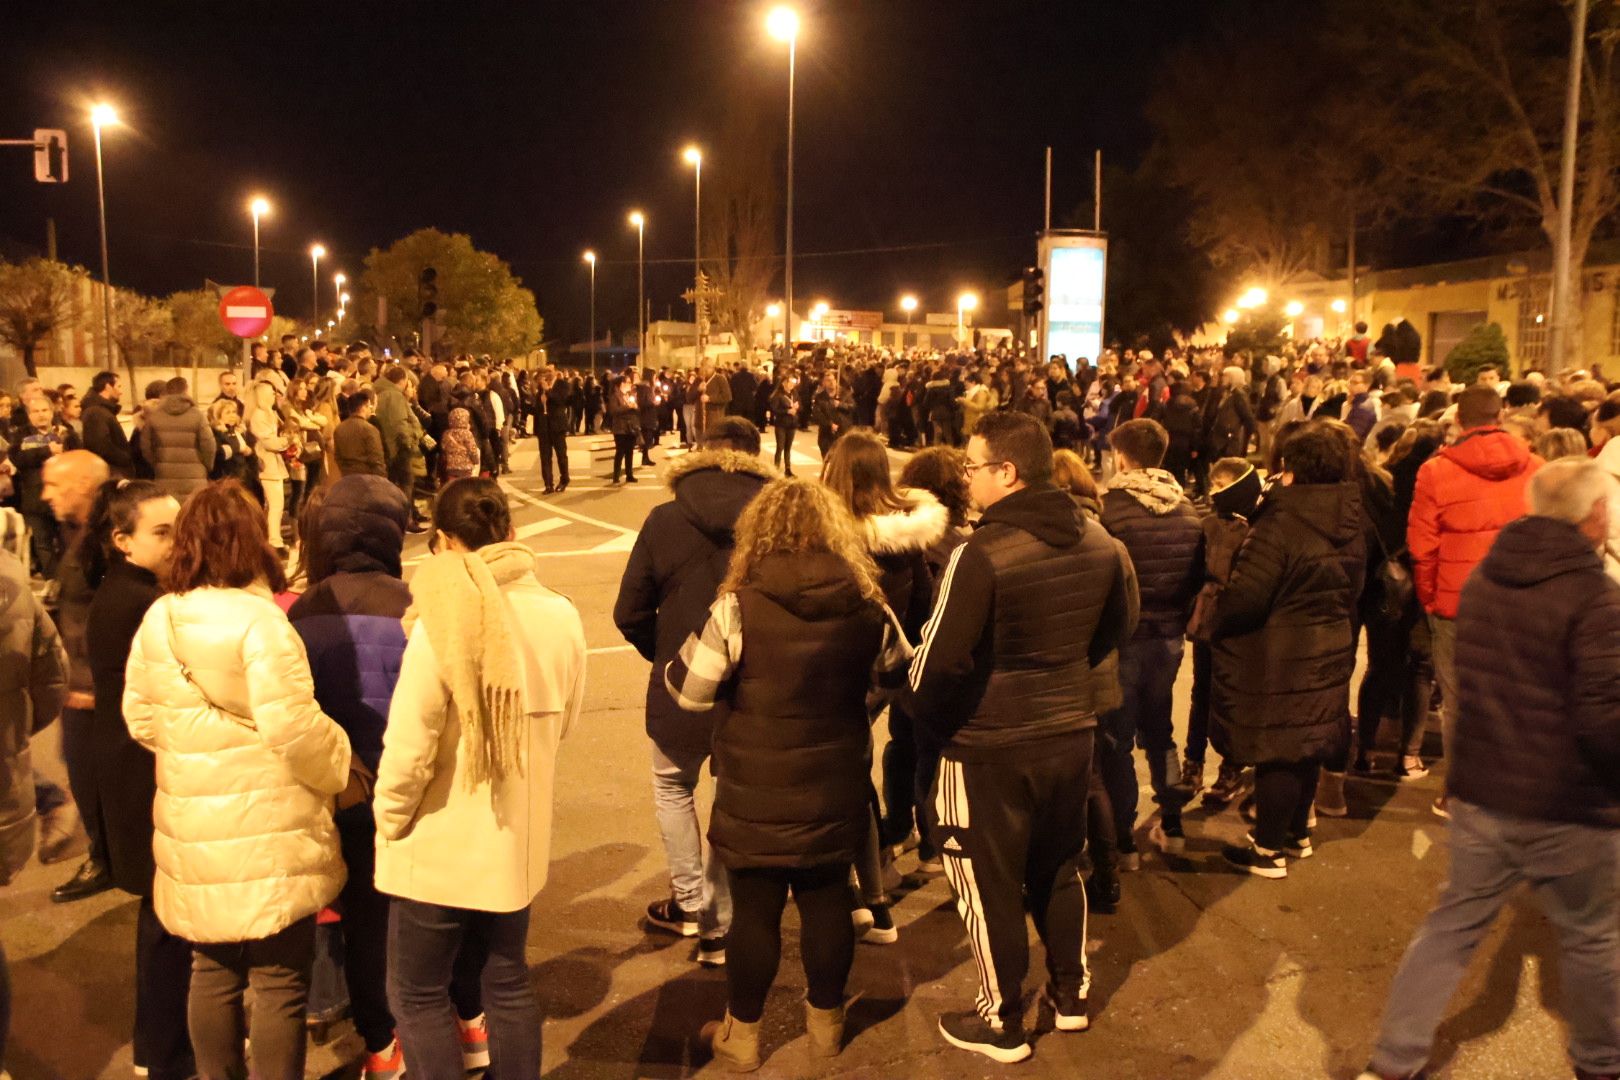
(1234,494)
(461,457)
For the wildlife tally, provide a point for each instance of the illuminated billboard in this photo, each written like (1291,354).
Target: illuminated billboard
(1076,268)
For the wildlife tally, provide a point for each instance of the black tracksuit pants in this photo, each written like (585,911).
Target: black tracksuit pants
(1011,826)
(553,444)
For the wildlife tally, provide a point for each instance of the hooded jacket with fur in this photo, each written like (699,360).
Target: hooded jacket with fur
(899,543)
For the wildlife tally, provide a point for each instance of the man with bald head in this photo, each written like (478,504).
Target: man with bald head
(71,481)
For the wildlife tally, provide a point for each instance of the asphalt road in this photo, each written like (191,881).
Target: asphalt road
(1203,973)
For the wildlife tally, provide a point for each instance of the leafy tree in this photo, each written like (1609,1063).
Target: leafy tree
(1479,87)
(140,325)
(197,330)
(38,297)
(483,307)
(1485,346)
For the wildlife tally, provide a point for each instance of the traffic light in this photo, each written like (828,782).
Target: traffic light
(427,292)
(1034,290)
(50,156)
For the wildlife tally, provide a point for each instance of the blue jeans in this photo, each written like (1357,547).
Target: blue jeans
(1573,872)
(1147,679)
(699,884)
(427,943)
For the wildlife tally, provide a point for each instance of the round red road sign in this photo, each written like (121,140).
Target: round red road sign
(246,311)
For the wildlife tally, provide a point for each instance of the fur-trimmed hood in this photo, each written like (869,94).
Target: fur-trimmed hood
(713,486)
(916,529)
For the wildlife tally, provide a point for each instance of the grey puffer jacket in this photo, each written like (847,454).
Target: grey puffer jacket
(33,685)
(178,444)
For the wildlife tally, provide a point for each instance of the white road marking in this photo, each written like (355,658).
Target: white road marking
(535,528)
(1420,843)
(523,496)
(610,648)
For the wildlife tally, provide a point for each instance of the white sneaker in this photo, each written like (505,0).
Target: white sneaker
(1170,845)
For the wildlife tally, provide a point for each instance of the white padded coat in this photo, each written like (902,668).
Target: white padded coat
(244,840)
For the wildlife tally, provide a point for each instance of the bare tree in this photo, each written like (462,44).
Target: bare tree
(38,297)
(740,247)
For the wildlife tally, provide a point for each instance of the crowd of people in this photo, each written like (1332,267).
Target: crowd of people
(249,751)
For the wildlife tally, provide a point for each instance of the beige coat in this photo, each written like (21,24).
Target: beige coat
(244,841)
(487,849)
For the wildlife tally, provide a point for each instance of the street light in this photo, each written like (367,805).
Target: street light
(103,115)
(783,24)
(1294,309)
(1339,307)
(1231,316)
(337,284)
(694,157)
(965,303)
(1253,298)
(590,257)
(258,207)
(316,254)
(773,311)
(908,304)
(639,220)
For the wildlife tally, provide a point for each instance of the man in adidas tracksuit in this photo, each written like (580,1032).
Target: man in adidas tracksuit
(1002,683)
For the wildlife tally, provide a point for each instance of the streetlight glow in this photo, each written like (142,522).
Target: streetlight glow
(1231,315)
(908,303)
(636,220)
(1253,298)
(692,156)
(590,257)
(317,252)
(103,115)
(968,301)
(782,23)
(773,311)
(260,206)
(1294,309)
(1339,307)
(338,280)
(820,309)
(344,299)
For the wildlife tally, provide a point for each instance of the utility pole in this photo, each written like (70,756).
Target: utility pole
(1563,291)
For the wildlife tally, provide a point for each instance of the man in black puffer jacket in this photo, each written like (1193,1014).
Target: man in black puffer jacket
(103,434)
(674,571)
(1003,683)
(1535,773)
(1145,509)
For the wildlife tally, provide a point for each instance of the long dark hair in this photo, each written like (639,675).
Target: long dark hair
(474,511)
(116,510)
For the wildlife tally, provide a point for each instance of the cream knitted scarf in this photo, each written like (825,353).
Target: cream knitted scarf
(457,596)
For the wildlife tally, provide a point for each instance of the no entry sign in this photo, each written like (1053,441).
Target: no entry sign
(246,311)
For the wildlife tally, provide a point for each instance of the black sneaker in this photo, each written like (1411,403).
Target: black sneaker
(968,1031)
(1256,860)
(1069,1011)
(668,915)
(1295,847)
(712,952)
(1102,894)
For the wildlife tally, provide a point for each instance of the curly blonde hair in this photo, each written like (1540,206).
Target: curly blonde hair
(791,516)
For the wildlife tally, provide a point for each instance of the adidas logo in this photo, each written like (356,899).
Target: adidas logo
(951,846)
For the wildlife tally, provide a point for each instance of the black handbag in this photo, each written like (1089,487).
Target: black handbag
(1396,589)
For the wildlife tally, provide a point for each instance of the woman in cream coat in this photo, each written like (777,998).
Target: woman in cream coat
(492,677)
(219,689)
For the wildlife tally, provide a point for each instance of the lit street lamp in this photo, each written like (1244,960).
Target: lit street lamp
(258,207)
(1294,309)
(783,24)
(639,220)
(337,285)
(103,116)
(590,257)
(965,303)
(773,311)
(316,254)
(908,304)
(694,157)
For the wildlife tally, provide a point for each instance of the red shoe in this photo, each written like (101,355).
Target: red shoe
(474,1043)
(389,1064)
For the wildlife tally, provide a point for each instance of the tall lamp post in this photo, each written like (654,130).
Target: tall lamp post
(337,286)
(316,254)
(908,304)
(258,207)
(103,116)
(639,220)
(783,24)
(694,157)
(590,257)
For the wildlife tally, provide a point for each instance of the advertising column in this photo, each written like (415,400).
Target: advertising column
(1076,266)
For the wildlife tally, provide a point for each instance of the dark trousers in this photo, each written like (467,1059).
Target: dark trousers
(162,989)
(754,943)
(42,543)
(277,970)
(1147,680)
(649,439)
(825,437)
(908,776)
(1101,845)
(1399,681)
(1012,828)
(783,458)
(1283,793)
(365,929)
(78,753)
(430,949)
(1198,716)
(553,445)
(624,450)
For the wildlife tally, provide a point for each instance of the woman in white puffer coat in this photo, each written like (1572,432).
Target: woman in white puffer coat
(218,688)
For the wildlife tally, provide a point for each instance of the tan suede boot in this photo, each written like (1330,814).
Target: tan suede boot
(826,1030)
(735,1044)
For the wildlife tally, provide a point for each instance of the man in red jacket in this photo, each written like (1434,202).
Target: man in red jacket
(1464,495)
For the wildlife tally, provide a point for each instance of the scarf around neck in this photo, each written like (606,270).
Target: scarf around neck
(457,597)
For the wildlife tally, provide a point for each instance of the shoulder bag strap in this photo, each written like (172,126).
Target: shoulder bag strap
(185,673)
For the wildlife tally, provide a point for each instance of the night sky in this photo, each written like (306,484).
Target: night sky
(536,126)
